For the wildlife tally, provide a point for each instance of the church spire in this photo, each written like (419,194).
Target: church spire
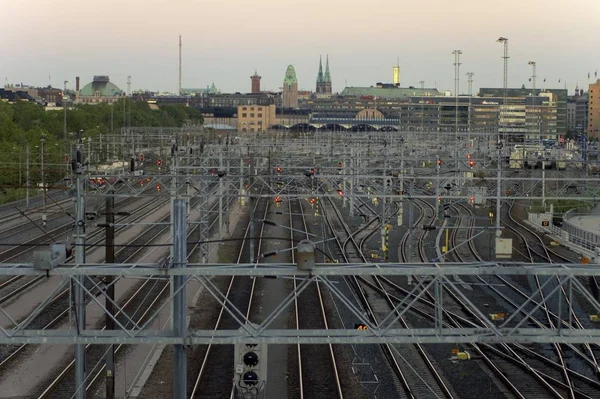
(320,75)
(327,78)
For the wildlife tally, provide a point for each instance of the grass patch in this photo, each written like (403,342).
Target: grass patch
(561,206)
(12,194)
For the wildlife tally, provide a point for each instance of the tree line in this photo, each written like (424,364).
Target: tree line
(23,125)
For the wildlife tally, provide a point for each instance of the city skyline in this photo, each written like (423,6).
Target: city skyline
(140,39)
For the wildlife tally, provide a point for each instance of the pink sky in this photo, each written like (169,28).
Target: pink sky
(226,40)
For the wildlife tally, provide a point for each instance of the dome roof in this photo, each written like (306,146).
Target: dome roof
(290,76)
(100,86)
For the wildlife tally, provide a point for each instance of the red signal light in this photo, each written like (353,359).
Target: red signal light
(340,164)
(472,200)
(471,163)
(439,162)
(158,162)
(158,187)
(341,193)
(312,200)
(141,157)
(312,171)
(278,199)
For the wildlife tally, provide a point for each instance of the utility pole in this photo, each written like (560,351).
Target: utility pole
(252,199)
(179,298)
(110,293)
(220,196)
(43,140)
(470,81)
(79,293)
(27,176)
(422,82)
(65,111)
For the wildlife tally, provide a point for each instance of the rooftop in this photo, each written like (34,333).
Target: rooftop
(100,86)
(388,92)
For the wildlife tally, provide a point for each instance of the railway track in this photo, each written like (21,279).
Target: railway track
(316,364)
(216,360)
(557,380)
(416,375)
(145,298)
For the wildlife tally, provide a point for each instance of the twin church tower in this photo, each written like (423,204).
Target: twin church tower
(290,84)
(324,81)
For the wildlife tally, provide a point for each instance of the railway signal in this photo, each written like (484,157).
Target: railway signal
(471,163)
(340,192)
(250,366)
(158,162)
(340,165)
(141,157)
(439,163)
(278,169)
(472,199)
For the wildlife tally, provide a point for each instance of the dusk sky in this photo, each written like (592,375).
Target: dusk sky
(224,41)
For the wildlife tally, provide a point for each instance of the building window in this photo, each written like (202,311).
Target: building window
(259,123)
(251,115)
(244,114)
(260,108)
(243,108)
(251,108)
(260,115)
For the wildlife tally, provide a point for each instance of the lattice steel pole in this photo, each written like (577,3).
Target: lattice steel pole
(457,54)
(179,305)
(79,294)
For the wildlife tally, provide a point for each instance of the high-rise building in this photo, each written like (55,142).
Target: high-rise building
(593,125)
(323,80)
(290,88)
(255,83)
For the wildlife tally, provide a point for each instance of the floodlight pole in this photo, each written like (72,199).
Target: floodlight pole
(457,54)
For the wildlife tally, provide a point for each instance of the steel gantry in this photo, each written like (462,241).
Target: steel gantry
(514,328)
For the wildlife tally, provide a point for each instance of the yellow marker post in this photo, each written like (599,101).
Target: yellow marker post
(446,246)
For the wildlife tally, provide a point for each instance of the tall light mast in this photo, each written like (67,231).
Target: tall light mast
(504,41)
(179,91)
(532,63)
